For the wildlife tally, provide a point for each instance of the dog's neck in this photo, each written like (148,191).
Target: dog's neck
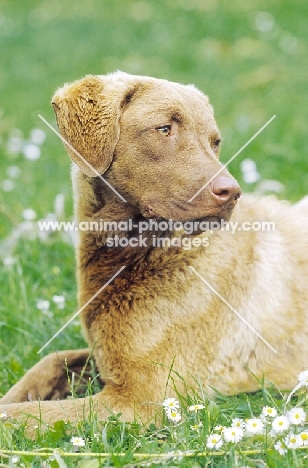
(116,239)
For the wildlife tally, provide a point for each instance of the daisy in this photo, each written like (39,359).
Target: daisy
(292,441)
(280,447)
(196,407)
(59,301)
(31,151)
(268,411)
(237,422)
(3,415)
(297,416)
(29,214)
(9,261)
(196,427)
(13,461)
(280,424)
(42,305)
(219,428)
(303,438)
(214,441)
(37,136)
(7,185)
(303,378)
(78,441)
(171,403)
(233,434)
(13,172)
(254,426)
(173,414)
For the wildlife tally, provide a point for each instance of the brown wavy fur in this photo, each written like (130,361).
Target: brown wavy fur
(157,313)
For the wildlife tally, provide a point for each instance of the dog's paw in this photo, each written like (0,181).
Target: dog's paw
(49,379)
(45,381)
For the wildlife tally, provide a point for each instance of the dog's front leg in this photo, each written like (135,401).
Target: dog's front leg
(136,402)
(102,405)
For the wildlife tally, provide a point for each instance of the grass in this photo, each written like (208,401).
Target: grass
(251,64)
(184,443)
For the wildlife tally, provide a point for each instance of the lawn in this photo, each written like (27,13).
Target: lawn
(251,58)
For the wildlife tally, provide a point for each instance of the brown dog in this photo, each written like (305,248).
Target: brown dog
(157,144)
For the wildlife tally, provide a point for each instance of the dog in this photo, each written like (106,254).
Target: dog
(168,301)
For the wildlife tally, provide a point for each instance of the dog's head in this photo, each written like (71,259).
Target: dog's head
(155,141)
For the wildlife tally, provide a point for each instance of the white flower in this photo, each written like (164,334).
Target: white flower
(173,414)
(13,460)
(171,403)
(59,301)
(303,378)
(3,415)
(13,172)
(195,427)
(254,426)
(9,261)
(303,382)
(219,428)
(233,434)
(214,441)
(29,214)
(196,407)
(41,304)
(303,437)
(7,185)
(78,441)
(31,151)
(251,177)
(237,422)
(296,416)
(280,447)
(15,142)
(38,136)
(280,424)
(292,441)
(268,411)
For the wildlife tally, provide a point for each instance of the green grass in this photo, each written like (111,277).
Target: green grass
(249,75)
(116,443)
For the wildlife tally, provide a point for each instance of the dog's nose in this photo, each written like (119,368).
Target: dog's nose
(225,189)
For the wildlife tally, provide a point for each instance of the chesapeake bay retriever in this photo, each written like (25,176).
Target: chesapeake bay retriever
(211,306)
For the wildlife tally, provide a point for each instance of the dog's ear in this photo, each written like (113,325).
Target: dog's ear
(88,113)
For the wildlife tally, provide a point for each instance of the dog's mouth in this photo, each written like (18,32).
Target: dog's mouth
(183,211)
(192,227)
(200,225)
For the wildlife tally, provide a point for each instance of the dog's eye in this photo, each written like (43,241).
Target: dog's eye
(164,130)
(216,144)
